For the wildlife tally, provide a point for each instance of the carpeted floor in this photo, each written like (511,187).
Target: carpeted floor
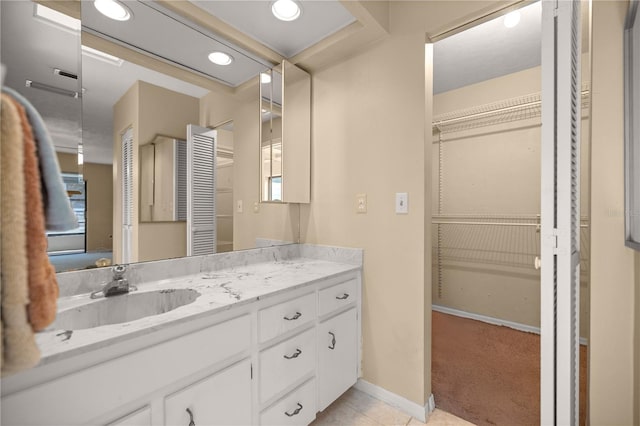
(488,374)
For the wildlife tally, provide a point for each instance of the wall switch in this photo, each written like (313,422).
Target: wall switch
(361,203)
(256,207)
(402,203)
(239,207)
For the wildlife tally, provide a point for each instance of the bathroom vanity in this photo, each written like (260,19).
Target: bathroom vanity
(272,338)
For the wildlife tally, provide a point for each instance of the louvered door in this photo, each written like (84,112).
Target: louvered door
(201,190)
(560,226)
(127,195)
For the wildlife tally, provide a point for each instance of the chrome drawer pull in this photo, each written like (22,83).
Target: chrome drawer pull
(191,422)
(332,346)
(343,297)
(295,412)
(295,355)
(293,318)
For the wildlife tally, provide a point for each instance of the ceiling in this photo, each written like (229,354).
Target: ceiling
(483,52)
(317,20)
(488,51)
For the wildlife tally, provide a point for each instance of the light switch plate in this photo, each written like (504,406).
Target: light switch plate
(239,207)
(361,203)
(402,203)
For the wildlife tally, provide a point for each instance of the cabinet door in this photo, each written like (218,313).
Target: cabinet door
(221,399)
(338,353)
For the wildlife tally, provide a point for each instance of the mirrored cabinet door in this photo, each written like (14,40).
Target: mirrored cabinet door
(285,135)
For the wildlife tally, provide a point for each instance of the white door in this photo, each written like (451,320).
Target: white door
(560,204)
(201,190)
(127,195)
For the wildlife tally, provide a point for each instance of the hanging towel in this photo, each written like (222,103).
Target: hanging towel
(43,286)
(19,350)
(58,212)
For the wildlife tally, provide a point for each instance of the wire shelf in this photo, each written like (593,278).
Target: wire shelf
(506,240)
(505,111)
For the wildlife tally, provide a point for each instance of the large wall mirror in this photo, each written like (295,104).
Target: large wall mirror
(135,79)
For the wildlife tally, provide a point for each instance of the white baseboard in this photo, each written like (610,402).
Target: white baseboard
(403,404)
(492,320)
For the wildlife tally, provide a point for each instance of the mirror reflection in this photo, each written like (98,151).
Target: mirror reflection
(168,95)
(285,140)
(271,135)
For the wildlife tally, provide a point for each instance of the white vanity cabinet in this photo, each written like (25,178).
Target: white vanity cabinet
(271,361)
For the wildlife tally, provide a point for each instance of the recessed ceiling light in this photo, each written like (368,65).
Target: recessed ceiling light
(113,9)
(265,78)
(220,58)
(285,10)
(512,19)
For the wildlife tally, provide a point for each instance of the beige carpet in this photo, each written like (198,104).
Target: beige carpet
(488,374)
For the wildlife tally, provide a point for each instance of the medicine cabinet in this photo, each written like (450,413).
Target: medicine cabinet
(285,135)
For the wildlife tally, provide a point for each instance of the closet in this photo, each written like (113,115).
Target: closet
(486,202)
(486,222)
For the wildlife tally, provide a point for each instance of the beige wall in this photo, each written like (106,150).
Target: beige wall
(99,226)
(495,170)
(273,221)
(151,110)
(367,120)
(368,115)
(611,347)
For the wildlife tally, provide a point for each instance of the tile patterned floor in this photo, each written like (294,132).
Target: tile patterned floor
(356,408)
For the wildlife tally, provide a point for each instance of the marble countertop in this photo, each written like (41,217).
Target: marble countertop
(219,290)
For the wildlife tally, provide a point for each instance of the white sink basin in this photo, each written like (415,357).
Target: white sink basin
(123,308)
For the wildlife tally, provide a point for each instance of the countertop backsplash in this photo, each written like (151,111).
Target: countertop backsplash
(85,281)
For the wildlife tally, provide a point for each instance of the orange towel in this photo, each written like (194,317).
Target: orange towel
(19,349)
(43,286)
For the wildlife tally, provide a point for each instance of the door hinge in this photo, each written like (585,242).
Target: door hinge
(251,365)
(554,242)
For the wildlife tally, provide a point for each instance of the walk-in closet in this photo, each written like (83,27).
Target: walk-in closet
(486,183)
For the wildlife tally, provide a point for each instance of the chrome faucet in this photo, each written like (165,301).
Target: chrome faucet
(118,285)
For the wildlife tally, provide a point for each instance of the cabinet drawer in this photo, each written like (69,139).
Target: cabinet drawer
(283,364)
(339,295)
(278,319)
(297,408)
(223,398)
(141,417)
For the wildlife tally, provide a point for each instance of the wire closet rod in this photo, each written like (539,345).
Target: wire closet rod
(448,222)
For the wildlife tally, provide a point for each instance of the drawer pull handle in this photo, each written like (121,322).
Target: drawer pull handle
(343,297)
(191,422)
(295,412)
(295,355)
(293,318)
(332,346)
